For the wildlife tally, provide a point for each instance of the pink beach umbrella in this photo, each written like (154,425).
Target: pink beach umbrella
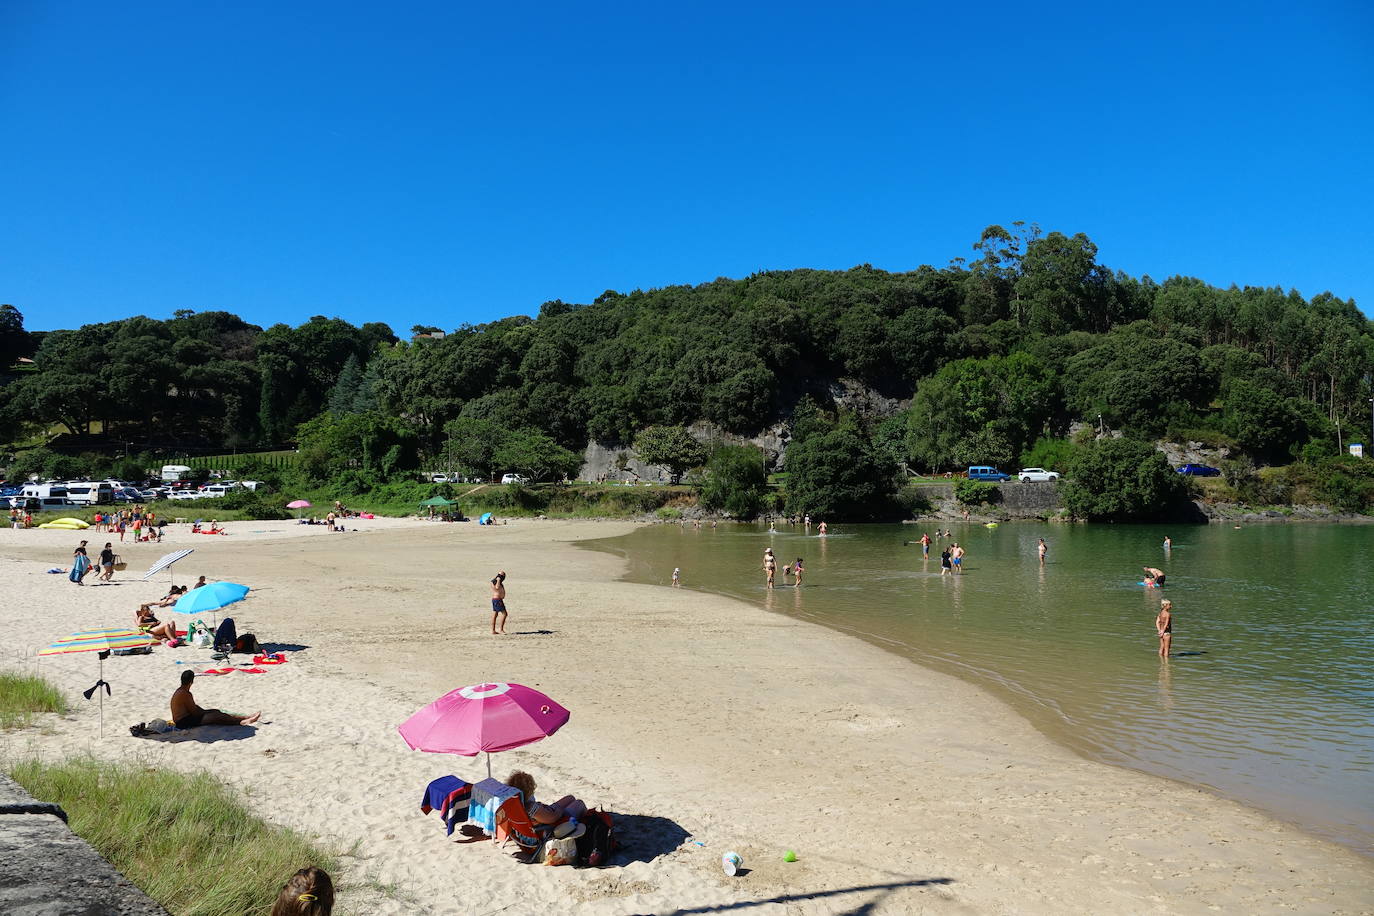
(298,504)
(483,717)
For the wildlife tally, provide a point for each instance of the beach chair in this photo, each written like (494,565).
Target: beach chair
(225,637)
(513,823)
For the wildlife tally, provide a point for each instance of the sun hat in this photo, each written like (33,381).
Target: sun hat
(569,830)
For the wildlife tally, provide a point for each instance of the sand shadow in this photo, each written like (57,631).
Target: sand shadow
(205,734)
(271,648)
(533,633)
(645,837)
(863,909)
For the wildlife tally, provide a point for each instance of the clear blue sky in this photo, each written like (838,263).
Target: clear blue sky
(434,163)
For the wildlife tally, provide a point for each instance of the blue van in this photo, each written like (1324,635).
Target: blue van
(986,472)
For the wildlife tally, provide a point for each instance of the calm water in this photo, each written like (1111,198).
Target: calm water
(1269,698)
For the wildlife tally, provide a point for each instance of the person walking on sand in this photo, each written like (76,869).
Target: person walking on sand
(498,603)
(81,564)
(1164,626)
(106,563)
(1041,549)
(770,566)
(925,545)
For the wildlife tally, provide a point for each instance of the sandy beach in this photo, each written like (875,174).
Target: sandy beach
(705,724)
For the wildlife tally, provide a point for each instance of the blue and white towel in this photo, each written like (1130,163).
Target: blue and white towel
(487,796)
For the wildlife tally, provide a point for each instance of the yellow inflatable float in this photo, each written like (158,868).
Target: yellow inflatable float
(989,524)
(69,524)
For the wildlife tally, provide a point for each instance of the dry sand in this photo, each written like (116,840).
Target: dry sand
(696,718)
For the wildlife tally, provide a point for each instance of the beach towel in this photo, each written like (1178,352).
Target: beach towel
(487,796)
(80,563)
(437,791)
(513,823)
(276,659)
(455,808)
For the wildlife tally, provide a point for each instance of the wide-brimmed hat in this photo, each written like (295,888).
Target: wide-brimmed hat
(569,830)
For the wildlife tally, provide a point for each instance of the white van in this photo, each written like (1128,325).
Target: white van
(216,490)
(174,472)
(44,491)
(89,493)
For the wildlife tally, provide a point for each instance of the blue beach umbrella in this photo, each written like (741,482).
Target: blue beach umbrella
(210,597)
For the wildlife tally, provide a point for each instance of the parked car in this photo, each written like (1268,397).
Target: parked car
(514,478)
(1199,470)
(439,478)
(1026,475)
(184,494)
(986,472)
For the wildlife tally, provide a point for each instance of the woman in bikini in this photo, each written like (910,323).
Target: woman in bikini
(1164,625)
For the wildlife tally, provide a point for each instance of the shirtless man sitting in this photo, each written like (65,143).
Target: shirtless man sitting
(186,714)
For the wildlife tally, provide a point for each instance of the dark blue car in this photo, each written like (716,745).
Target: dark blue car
(1199,470)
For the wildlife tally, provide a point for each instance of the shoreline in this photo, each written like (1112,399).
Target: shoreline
(1022,705)
(694,714)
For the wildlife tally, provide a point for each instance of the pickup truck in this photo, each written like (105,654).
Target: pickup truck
(986,472)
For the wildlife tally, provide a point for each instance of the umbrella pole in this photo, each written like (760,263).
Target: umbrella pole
(102,696)
(489,764)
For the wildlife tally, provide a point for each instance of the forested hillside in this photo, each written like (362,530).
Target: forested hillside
(995,353)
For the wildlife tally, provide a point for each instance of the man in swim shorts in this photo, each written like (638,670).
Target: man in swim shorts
(186,714)
(1153,577)
(956,557)
(498,602)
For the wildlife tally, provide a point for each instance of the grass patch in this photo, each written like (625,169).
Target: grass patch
(184,839)
(23,696)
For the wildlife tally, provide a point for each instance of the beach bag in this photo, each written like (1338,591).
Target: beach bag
(119,563)
(560,851)
(247,643)
(595,846)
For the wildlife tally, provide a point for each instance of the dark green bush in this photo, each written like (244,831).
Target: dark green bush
(977,492)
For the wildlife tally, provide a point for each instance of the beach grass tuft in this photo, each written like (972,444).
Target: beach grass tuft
(22,696)
(185,839)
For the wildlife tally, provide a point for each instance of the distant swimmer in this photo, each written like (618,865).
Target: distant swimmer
(1164,625)
(925,545)
(821,529)
(1154,578)
(946,562)
(1042,549)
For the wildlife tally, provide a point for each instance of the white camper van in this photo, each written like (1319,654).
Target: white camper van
(90,493)
(174,472)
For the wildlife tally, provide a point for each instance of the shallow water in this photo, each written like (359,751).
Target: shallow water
(1268,697)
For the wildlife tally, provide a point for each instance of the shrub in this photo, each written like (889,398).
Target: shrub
(735,481)
(977,492)
(1121,479)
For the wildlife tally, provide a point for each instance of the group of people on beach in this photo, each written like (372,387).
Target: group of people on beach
(141,522)
(770,569)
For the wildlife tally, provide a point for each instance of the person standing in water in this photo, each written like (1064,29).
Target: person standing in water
(498,602)
(1164,625)
(770,566)
(797,573)
(1041,549)
(956,556)
(677,576)
(1154,578)
(925,545)
(946,563)
(820,529)
(1168,542)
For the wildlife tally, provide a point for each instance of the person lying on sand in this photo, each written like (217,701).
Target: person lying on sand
(186,714)
(565,807)
(147,621)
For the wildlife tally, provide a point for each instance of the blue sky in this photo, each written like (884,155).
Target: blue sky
(438,163)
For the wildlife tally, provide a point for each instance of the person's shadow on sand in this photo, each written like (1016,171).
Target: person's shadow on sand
(207,734)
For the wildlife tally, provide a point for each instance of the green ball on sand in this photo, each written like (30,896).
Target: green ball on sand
(789,856)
